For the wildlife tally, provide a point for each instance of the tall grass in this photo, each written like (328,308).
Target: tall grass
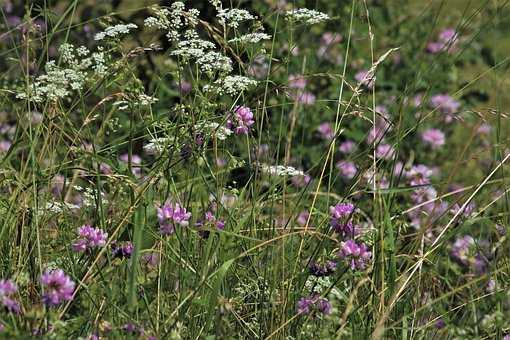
(123,136)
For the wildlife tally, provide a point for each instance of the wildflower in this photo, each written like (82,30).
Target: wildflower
(232,17)
(313,305)
(281,170)
(170,215)
(305,98)
(470,253)
(89,238)
(347,169)
(385,151)
(7,289)
(347,147)
(484,129)
(340,219)
(308,16)
(58,287)
(365,78)
(303,218)
(322,268)
(439,324)
(114,31)
(356,255)
(447,40)
(243,118)
(5,145)
(433,137)
(251,38)
(419,175)
(297,81)
(124,250)
(150,260)
(466,212)
(445,104)
(215,129)
(375,135)
(326,131)
(210,220)
(232,85)
(301,181)
(136,162)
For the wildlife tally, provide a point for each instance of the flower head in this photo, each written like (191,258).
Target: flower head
(170,215)
(356,255)
(433,137)
(347,169)
(313,305)
(241,121)
(7,289)
(89,238)
(58,287)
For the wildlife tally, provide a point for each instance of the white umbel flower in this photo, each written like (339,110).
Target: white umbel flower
(114,31)
(251,38)
(281,170)
(232,17)
(308,16)
(231,85)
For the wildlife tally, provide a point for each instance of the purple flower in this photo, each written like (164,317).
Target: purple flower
(365,78)
(242,120)
(356,255)
(340,219)
(89,238)
(124,250)
(385,151)
(305,98)
(5,145)
(447,41)
(136,162)
(439,324)
(433,137)
(7,289)
(58,287)
(297,81)
(170,215)
(300,181)
(446,105)
(326,131)
(210,220)
(324,268)
(419,175)
(302,218)
(347,169)
(314,305)
(470,253)
(347,147)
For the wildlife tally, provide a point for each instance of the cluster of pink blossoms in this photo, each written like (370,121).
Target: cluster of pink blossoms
(57,287)
(89,238)
(241,121)
(171,215)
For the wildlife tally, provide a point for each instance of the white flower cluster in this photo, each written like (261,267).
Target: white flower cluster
(232,17)
(114,31)
(157,145)
(212,128)
(231,85)
(214,62)
(281,170)
(173,20)
(58,207)
(308,16)
(146,100)
(59,81)
(89,196)
(251,38)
